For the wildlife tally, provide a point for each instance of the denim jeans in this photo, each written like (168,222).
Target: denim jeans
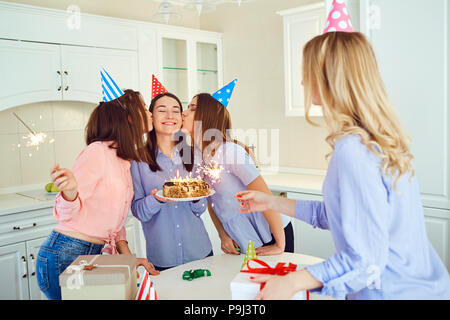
(56,253)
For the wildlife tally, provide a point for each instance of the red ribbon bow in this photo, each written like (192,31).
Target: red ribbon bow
(280,269)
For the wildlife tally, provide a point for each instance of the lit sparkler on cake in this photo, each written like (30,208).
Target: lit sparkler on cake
(212,170)
(185,187)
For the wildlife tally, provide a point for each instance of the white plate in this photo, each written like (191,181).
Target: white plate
(159,193)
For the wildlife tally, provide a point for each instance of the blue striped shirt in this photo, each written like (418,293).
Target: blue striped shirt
(382,249)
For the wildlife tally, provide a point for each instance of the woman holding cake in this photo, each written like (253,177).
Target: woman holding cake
(239,171)
(96,194)
(371,195)
(174,231)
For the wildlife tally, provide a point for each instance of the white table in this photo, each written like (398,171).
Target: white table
(169,284)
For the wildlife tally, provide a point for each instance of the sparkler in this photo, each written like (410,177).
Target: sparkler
(212,170)
(33,138)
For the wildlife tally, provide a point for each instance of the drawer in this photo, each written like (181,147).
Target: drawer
(26,225)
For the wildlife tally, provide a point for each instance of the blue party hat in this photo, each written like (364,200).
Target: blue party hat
(223,95)
(110,89)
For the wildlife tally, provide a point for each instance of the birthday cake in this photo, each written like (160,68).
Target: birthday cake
(185,188)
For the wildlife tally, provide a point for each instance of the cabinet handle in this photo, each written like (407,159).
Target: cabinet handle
(24,267)
(58,73)
(59,88)
(67,88)
(25,227)
(66,73)
(33,265)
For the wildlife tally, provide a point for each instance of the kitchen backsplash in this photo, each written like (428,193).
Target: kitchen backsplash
(62,122)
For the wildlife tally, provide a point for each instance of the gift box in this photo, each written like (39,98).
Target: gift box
(100,277)
(242,288)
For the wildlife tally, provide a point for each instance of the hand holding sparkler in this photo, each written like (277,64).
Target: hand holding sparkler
(65,181)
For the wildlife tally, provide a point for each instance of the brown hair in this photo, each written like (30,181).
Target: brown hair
(214,115)
(181,145)
(121,120)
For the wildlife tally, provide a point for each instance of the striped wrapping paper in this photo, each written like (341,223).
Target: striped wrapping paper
(146,289)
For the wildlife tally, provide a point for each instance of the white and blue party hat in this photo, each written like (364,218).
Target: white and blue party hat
(110,89)
(223,95)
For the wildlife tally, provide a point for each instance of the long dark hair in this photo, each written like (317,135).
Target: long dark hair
(122,121)
(180,138)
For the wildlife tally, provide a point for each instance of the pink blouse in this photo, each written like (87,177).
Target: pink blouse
(105,192)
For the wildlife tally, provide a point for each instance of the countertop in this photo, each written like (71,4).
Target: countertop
(14,203)
(277,182)
(293,182)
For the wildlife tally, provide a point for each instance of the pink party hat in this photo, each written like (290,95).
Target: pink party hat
(338,18)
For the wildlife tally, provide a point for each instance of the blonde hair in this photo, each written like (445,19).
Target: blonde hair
(343,69)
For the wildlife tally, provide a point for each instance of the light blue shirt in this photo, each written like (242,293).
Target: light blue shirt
(174,232)
(239,170)
(382,249)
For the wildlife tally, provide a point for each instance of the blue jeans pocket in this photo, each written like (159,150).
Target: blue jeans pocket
(42,273)
(67,255)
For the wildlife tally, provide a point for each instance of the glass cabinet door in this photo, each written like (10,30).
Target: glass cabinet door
(175,68)
(207,77)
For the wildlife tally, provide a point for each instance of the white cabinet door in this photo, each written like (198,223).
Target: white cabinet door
(300,25)
(81,71)
(29,73)
(32,251)
(13,272)
(308,240)
(437,231)
(411,43)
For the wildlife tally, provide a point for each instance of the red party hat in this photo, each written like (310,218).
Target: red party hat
(157,87)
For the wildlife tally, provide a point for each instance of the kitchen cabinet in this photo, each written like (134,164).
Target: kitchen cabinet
(190,64)
(437,226)
(21,235)
(45,61)
(50,72)
(416,72)
(310,19)
(18,271)
(307,239)
(81,66)
(29,73)
(13,272)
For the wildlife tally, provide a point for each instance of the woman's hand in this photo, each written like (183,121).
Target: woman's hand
(65,181)
(147,265)
(228,245)
(284,287)
(276,288)
(153,193)
(254,201)
(269,250)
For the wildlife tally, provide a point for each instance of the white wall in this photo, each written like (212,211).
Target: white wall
(62,121)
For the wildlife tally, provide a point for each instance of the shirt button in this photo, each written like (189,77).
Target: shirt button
(178,225)
(179,244)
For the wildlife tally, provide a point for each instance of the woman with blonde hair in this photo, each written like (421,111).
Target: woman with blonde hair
(371,198)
